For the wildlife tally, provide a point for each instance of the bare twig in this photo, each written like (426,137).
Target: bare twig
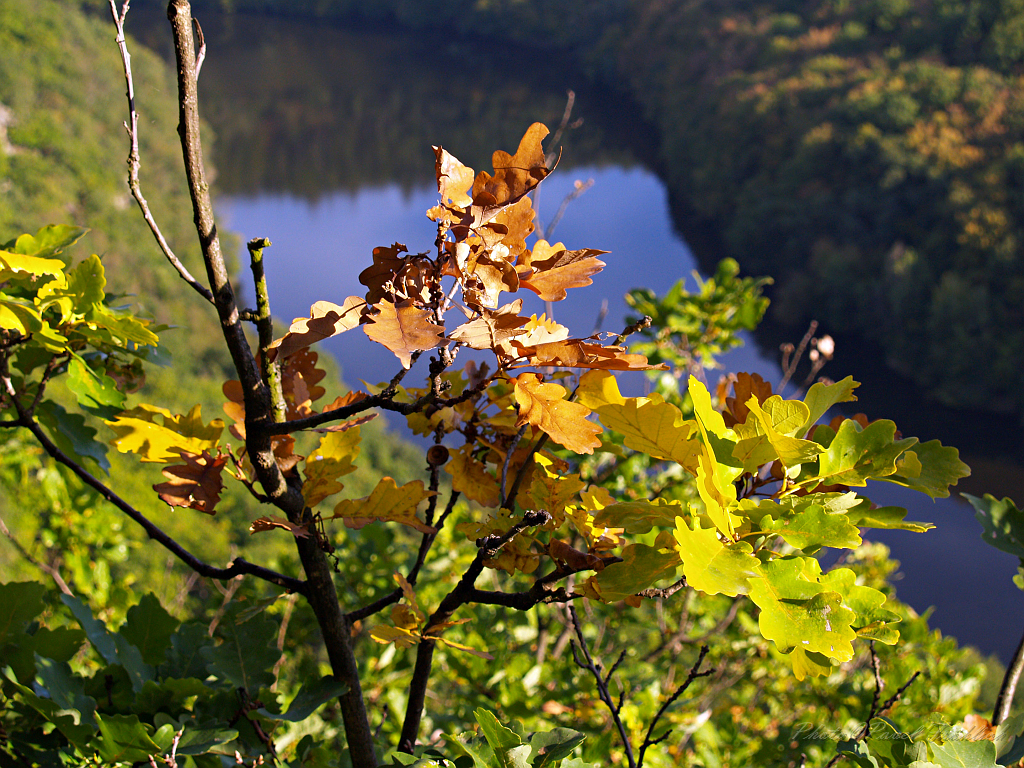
(875,709)
(1009,686)
(650,740)
(791,359)
(602,685)
(50,570)
(134,162)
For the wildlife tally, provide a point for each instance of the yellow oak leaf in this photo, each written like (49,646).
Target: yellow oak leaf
(471,478)
(492,328)
(157,435)
(387,503)
(331,460)
(453,178)
(544,406)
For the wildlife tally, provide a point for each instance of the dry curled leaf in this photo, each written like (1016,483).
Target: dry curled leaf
(325,319)
(492,327)
(581,353)
(270,522)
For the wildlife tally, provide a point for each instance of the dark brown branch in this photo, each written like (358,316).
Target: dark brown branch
(238,566)
(1009,686)
(134,162)
(602,685)
(650,740)
(287,496)
(663,591)
(462,594)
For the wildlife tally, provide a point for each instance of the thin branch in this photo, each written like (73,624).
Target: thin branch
(1009,687)
(790,360)
(663,591)
(602,686)
(464,592)
(510,501)
(579,188)
(237,567)
(270,370)
(650,740)
(133,158)
(49,570)
(508,460)
(876,710)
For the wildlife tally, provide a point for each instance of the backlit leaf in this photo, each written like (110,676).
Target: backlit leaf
(196,484)
(642,566)
(815,527)
(857,455)
(544,406)
(492,328)
(331,460)
(820,397)
(471,478)
(798,611)
(550,270)
(453,178)
(404,329)
(514,175)
(711,566)
(387,503)
(94,389)
(325,320)
(936,468)
(636,517)
(159,436)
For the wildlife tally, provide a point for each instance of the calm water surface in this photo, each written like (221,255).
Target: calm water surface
(329,165)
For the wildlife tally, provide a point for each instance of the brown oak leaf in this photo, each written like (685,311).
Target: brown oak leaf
(325,319)
(453,178)
(403,328)
(581,353)
(550,270)
(745,386)
(492,327)
(270,522)
(196,484)
(386,265)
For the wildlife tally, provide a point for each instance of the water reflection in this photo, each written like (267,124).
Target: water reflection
(323,146)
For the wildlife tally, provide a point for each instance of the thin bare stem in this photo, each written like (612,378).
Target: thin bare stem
(1009,687)
(52,571)
(650,740)
(134,162)
(603,693)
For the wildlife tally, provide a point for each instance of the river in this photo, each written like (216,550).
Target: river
(323,146)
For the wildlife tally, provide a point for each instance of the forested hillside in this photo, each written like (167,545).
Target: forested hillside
(867,153)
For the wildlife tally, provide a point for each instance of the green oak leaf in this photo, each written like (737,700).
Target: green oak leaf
(1002,522)
(808,664)
(933,468)
(550,748)
(888,518)
(48,241)
(247,655)
(857,455)
(123,738)
(71,434)
(797,611)
(709,565)
(114,648)
(639,516)
(814,527)
(820,397)
(149,627)
(311,696)
(508,746)
(96,392)
(20,602)
(76,729)
(873,621)
(774,423)
(962,753)
(641,567)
